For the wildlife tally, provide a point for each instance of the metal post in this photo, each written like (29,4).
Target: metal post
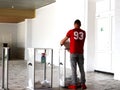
(51,68)
(31,69)
(2,68)
(64,65)
(5,57)
(45,67)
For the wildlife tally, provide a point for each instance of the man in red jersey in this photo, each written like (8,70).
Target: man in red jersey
(77,38)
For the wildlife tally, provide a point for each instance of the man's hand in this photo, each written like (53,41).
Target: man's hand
(63,41)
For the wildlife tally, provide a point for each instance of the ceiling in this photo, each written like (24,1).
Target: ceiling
(10,7)
(24,4)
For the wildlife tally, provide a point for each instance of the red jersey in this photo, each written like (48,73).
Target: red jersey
(77,38)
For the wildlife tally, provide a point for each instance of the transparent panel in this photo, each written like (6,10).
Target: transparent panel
(43,68)
(62,68)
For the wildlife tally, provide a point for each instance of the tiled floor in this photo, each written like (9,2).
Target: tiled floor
(18,78)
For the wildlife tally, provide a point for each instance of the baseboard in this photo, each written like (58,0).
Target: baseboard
(104,72)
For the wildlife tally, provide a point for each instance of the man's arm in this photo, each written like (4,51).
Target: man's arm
(63,40)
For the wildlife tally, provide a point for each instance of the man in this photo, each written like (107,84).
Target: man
(77,38)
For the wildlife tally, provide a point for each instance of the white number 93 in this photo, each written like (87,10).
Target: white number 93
(78,35)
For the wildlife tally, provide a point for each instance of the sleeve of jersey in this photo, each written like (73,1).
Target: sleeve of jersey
(68,34)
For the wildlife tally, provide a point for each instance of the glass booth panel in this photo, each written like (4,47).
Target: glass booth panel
(40,67)
(65,73)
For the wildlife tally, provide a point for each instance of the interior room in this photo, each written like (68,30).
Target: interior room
(30,28)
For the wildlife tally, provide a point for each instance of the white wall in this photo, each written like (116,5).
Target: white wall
(20,40)
(8,35)
(21,34)
(53,21)
(14,35)
(43,27)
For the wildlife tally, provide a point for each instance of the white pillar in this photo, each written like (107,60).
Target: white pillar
(28,35)
(116,42)
(91,12)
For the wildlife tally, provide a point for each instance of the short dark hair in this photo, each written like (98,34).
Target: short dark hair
(77,21)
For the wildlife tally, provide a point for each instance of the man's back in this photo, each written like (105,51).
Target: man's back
(77,38)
